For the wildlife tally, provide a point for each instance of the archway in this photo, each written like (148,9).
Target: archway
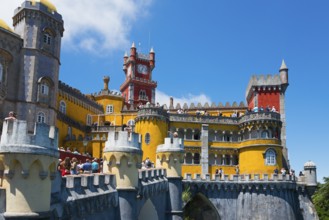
(148,211)
(200,208)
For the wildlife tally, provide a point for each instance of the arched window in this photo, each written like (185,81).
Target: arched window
(189,134)
(62,107)
(41,118)
(147,138)
(270,157)
(45,85)
(131,123)
(265,134)
(197,134)
(47,38)
(196,158)
(188,158)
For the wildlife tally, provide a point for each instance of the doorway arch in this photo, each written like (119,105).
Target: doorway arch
(200,208)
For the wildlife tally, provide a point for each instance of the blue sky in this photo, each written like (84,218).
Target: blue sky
(206,51)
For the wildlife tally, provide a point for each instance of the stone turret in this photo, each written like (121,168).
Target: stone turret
(29,163)
(41,28)
(284,73)
(122,157)
(310,173)
(170,156)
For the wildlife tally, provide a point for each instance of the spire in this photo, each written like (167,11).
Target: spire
(152,50)
(283,66)
(133,45)
(126,54)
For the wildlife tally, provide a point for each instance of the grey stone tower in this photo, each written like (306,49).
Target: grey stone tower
(41,28)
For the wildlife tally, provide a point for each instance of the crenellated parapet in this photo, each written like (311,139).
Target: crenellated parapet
(149,112)
(206,106)
(152,182)
(123,141)
(17,137)
(122,156)
(83,195)
(170,156)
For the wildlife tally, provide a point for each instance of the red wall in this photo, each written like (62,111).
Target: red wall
(269,99)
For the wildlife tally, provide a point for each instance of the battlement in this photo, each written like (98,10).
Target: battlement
(85,194)
(152,182)
(272,82)
(91,182)
(242,178)
(48,9)
(17,137)
(149,111)
(206,106)
(123,141)
(171,144)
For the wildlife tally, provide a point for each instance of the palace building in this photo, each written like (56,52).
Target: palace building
(208,161)
(249,134)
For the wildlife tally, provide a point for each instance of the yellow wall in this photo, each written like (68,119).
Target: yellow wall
(157,130)
(252,160)
(191,169)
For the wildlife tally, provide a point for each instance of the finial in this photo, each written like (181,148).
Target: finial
(133,45)
(152,50)
(283,66)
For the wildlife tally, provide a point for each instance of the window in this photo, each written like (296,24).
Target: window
(41,117)
(196,158)
(188,158)
(44,89)
(131,123)
(270,157)
(62,107)
(109,109)
(89,120)
(265,134)
(47,38)
(142,95)
(147,138)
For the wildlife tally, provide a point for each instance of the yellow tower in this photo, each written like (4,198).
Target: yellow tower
(152,124)
(28,162)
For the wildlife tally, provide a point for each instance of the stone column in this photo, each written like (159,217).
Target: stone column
(204,150)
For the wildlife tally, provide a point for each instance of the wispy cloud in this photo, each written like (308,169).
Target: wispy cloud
(96,26)
(164,98)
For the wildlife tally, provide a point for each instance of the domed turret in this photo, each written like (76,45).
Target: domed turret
(5,26)
(51,7)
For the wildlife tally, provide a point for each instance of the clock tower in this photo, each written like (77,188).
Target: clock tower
(138,87)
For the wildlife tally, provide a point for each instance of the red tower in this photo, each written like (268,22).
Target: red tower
(138,87)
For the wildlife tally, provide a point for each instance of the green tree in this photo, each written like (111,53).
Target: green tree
(321,199)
